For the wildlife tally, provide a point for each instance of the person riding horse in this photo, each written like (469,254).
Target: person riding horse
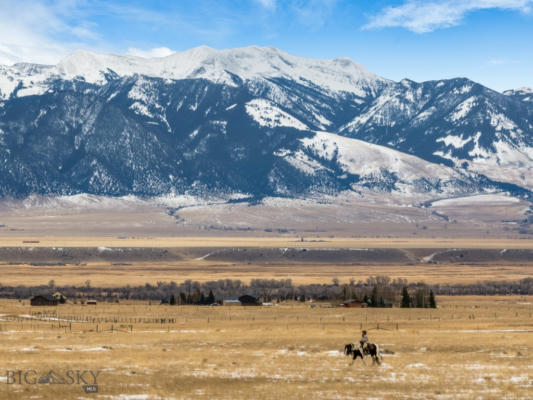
(364,341)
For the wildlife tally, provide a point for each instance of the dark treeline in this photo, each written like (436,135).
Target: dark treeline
(522,286)
(378,291)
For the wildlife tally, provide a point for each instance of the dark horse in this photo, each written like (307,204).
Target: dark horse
(371,350)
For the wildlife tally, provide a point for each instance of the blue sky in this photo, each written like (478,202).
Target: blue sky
(489,41)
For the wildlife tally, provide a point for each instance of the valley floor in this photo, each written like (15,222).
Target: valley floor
(116,262)
(470,347)
(346,215)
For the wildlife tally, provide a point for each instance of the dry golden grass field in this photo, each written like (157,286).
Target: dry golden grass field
(468,348)
(266,242)
(138,273)
(189,260)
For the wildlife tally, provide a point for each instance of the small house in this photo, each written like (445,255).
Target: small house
(353,304)
(231,302)
(91,302)
(247,300)
(60,297)
(43,300)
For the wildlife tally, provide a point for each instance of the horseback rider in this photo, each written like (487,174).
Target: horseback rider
(364,340)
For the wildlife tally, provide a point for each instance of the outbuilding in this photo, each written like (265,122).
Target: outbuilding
(60,297)
(353,304)
(43,300)
(247,300)
(231,302)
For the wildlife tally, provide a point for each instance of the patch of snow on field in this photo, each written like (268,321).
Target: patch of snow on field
(417,365)
(93,349)
(25,349)
(491,330)
(132,397)
(519,379)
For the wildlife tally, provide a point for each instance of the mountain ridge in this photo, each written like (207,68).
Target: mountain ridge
(260,127)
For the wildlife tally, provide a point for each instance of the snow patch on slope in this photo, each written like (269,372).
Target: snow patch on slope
(463,109)
(365,159)
(265,113)
(302,162)
(456,141)
(496,198)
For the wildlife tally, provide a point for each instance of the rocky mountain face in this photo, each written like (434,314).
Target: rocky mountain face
(254,122)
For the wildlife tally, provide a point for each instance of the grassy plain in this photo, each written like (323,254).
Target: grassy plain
(139,273)
(267,242)
(470,347)
(189,260)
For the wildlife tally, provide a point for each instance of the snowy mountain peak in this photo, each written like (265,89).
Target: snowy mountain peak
(254,120)
(220,66)
(519,91)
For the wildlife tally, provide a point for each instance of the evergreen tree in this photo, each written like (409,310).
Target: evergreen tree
(420,298)
(374,297)
(172,300)
(210,297)
(183,298)
(195,298)
(432,302)
(406,300)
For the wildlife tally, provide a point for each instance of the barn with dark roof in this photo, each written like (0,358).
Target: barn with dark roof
(44,300)
(247,300)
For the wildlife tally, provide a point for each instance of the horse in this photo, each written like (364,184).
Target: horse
(371,350)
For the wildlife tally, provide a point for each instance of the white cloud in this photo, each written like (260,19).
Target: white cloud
(268,4)
(29,30)
(426,16)
(313,13)
(44,32)
(155,52)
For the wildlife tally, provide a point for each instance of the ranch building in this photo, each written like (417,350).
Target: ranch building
(60,297)
(245,300)
(231,302)
(248,300)
(44,300)
(353,304)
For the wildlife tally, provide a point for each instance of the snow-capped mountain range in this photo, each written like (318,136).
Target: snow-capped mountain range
(254,122)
